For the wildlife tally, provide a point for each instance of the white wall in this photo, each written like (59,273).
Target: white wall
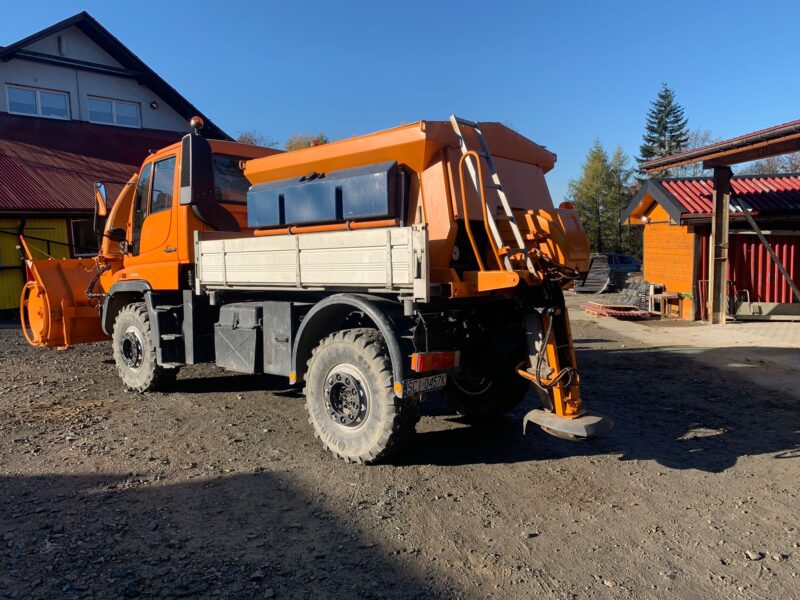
(79,84)
(77,45)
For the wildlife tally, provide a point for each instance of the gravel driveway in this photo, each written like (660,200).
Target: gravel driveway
(220,489)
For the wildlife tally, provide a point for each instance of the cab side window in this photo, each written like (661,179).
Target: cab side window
(163,182)
(140,202)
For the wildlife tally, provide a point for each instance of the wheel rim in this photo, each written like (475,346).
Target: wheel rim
(32,336)
(346,396)
(132,349)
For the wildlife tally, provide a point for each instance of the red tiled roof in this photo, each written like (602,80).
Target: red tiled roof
(51,165)
(690,198)
(760,194)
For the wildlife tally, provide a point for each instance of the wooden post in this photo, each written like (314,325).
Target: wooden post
(718,265)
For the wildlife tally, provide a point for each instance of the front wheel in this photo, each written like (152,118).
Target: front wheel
(350,400)
(135,351)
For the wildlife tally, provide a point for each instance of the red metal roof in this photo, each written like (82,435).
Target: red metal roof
(762,194)
(51,165)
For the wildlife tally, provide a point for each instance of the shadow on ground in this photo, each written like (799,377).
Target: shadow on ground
(241,536)
(9,319)
(231,382)
(667,407)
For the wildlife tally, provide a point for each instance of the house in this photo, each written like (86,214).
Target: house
(676,216)
(76,106)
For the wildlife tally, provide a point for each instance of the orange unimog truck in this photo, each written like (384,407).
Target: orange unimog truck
(371,270)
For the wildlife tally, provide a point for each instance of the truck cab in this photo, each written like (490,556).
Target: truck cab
(159,229)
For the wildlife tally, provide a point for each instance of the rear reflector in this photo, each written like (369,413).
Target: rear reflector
(434,361)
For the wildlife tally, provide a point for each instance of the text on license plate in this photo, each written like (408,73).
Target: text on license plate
(424,384)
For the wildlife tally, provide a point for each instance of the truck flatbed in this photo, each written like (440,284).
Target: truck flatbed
(385,259)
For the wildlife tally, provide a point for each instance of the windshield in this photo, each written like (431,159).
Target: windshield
(229,181)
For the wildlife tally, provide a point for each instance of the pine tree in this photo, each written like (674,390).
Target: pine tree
(628,238)
(589,194)
(600,195)
(617,197)
(666,128)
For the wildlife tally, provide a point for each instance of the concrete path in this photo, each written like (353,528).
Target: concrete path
(766,353)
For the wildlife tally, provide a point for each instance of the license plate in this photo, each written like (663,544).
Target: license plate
(424,384)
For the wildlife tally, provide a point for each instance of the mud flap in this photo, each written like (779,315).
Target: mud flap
(588,425)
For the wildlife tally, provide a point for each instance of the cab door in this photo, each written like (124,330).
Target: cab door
(152,254)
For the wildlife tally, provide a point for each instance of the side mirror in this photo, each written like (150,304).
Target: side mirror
(197,171)
(116,234)
(197,183)
(100,208)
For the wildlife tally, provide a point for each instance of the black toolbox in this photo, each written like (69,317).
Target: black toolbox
(237,337)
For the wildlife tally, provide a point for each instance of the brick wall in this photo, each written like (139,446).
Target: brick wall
(669,256)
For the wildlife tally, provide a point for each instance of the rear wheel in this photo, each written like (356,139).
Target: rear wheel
(135,351)
(350,400)
(490,393)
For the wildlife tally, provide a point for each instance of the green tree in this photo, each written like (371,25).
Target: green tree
(298,141)
(629,239)
(600,195)
(254,138)
(617,198)
(589,194)
(665,129)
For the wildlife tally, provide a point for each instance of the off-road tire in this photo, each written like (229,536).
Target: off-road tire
(500,393)
(388,420)
(133,323)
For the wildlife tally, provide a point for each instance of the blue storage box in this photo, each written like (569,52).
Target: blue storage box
(370,192)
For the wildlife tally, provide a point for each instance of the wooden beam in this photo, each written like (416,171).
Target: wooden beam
(718,267)
(74,63)
(754,152)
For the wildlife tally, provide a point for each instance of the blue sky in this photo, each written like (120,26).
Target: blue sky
(562,74)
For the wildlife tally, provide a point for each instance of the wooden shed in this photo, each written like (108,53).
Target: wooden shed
(676,216)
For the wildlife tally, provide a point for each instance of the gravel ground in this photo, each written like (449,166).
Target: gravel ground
(220,489)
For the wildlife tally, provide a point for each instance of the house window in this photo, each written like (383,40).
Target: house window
(37,103)
(84,239)
(114,112)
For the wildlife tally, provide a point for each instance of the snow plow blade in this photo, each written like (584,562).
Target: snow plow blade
(588,425)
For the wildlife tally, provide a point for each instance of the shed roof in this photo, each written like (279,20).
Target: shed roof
(691,197)
(51,165)
(772,141)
